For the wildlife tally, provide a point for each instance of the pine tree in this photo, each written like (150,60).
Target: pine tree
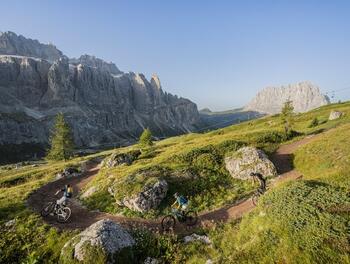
(61,140)
(146,138)
(287,116)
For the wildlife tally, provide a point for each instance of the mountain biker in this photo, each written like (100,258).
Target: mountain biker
(182,203)
(67,193)
(262,181)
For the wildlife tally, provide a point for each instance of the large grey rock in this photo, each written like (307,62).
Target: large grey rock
(247,160)
(117,159)
(104,235)
(149,198)
(335,115)
(304,95)
(104,106)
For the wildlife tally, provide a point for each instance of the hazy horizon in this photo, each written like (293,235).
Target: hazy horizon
(217,55)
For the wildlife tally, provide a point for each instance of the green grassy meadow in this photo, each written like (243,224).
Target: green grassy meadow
(305,221)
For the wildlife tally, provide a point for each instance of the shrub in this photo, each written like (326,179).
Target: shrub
(190,156)
(271,137)
(314,122)
(230,146)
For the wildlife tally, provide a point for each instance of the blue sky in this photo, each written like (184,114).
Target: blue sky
(216,53)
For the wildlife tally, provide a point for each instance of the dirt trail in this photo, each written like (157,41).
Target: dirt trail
(82,217)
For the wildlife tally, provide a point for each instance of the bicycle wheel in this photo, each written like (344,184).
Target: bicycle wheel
(63,214)
(191,218)
(168,222)
(48,208)
(255,198)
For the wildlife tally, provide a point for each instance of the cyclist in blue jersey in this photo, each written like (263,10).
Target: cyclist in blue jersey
(181,202)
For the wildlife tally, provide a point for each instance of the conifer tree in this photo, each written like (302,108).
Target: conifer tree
(61,140)
(287,116)
(146,138)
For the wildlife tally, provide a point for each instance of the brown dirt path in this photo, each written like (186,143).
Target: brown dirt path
(82,217)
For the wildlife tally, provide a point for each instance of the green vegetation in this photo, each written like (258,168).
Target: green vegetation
(61,141)
(314,122)
(193,164)
(146,138)
(296,222)
(287,116)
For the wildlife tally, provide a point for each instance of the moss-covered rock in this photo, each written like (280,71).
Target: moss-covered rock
(247,160)
(102,242)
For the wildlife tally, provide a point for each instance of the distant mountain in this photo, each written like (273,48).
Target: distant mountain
(305,96)
(104,105)
(215,120)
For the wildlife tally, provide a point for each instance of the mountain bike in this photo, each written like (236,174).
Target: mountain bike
(62,212)
(189,218)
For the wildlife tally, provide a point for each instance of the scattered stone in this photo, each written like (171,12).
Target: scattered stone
(104,236)
(149,198)
(195,237)
(150,260)
(89,192)
(10,223)
(118,159)
(68,173)
(247,160)
(335,115)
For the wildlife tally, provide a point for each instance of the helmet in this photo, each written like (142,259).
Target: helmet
(176,195)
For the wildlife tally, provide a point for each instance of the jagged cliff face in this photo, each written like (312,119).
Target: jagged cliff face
(12,44)
(102,104)
(304,95)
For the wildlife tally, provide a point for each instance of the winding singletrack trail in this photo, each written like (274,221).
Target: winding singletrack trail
(82,217)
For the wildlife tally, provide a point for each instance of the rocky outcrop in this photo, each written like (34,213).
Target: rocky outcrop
(117,159)
(97,63)
(304,95)
(89,192)
(149,198)
(112,243)
(335,115)
(12,44)
(68,173)
(103,105)
(247,160)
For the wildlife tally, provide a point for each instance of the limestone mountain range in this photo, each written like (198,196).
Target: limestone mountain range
(103,104)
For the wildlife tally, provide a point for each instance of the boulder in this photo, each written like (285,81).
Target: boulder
(150,260)
(247,160)
(335,115)
(104,240)
(89,192)
(149,198)
(68,173)
(194,237)
(117,159)
(10,223)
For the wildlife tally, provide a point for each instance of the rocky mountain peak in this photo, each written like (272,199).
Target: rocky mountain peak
(13,44)
(92,61)
(155,81)
(304,95)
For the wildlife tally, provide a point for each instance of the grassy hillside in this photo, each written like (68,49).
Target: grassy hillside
(201,155)
(300,222)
